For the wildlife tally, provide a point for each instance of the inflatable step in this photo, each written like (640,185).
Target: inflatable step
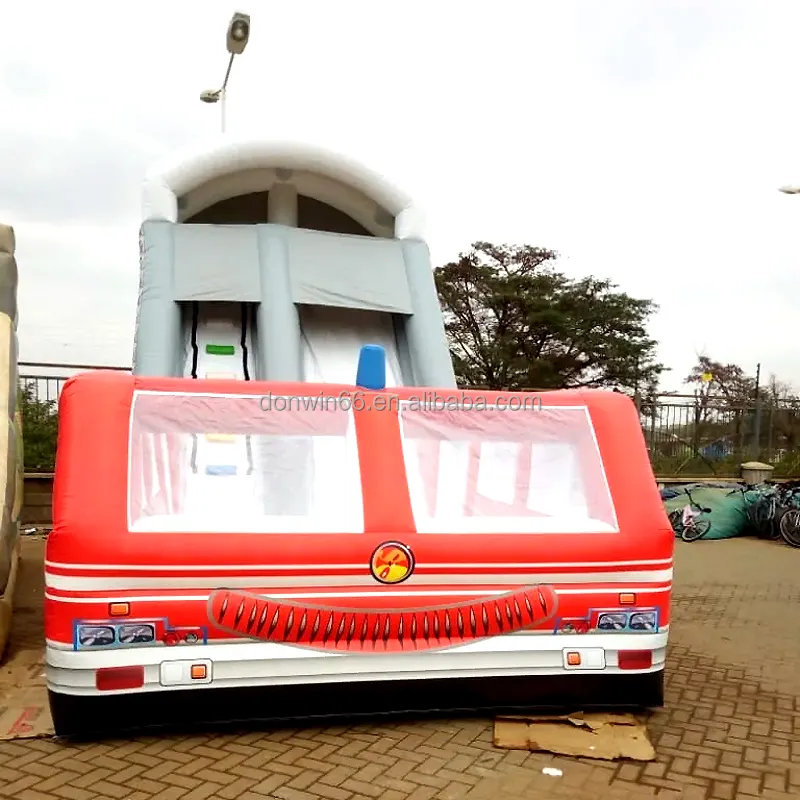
(221,469)
(220,438)
(220,349)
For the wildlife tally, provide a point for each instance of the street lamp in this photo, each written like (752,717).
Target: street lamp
(236,41)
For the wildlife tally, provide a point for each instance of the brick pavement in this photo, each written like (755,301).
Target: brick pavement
(731,727)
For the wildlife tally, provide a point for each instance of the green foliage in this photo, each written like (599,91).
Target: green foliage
(515,322)
(729,384)
(674,466)
(39,430)
(730,467)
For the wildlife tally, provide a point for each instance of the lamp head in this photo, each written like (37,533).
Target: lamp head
(238,33)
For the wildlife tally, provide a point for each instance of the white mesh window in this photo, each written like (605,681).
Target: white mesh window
(497,470)
(232,463)
(534,470)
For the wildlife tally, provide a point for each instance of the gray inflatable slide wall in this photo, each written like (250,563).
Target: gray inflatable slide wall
(269,302)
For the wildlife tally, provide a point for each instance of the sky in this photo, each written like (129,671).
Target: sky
(644,141)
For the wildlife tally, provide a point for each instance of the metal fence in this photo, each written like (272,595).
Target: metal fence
(686,435)
(696,435)
(43,382)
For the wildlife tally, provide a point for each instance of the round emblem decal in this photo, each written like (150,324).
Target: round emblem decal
(391,562)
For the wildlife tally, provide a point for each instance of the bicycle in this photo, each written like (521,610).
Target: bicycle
(766,513)
(759,509)
(687,522)
(790,494)
(790,527)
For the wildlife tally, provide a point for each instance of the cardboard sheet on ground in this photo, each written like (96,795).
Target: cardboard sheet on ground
(24,710)
(602,736)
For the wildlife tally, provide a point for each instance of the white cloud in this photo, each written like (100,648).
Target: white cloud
(644,141)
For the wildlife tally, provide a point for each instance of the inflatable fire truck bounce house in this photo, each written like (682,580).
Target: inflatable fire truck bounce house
(288,510)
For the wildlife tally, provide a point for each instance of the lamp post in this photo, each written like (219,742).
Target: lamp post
(236,41)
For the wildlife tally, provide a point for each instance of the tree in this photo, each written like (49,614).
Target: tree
(711,430)
(722,383)
(514,322)
(39,430)
(781,409)
(733,407)
(724,394)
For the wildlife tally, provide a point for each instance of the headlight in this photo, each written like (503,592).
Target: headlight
(645,621)
(612,622)
(95,635)
(136,634)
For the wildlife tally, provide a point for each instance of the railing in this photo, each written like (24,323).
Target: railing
(685,434)
(694,435)
(44,381)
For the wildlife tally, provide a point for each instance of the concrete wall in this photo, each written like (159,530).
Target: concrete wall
(37,510)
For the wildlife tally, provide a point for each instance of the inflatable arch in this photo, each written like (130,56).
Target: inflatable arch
(278,260)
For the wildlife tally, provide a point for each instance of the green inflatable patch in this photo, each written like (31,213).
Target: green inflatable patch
(728,515)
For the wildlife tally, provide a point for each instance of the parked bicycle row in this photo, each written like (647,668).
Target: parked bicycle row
(767,511)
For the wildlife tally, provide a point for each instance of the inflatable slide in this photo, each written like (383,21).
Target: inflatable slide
(290,510)
(11,470)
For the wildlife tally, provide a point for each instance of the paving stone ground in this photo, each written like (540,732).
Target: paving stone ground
(730,728)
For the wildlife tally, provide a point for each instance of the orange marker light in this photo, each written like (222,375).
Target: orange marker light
(627,599)
(119,609)
(198,672)
(573,659)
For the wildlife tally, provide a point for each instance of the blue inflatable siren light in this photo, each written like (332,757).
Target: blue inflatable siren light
(371,372)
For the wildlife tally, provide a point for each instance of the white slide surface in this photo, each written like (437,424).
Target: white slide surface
(222,481)
(332,340)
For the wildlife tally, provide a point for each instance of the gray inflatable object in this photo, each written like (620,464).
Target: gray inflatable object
(11,478)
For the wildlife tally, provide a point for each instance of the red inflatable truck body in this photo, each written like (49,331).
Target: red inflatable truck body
(292,550)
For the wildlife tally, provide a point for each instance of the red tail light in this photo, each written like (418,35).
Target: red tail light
(111,679)
(635,659)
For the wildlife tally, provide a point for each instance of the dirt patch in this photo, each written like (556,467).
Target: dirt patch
(24,709)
